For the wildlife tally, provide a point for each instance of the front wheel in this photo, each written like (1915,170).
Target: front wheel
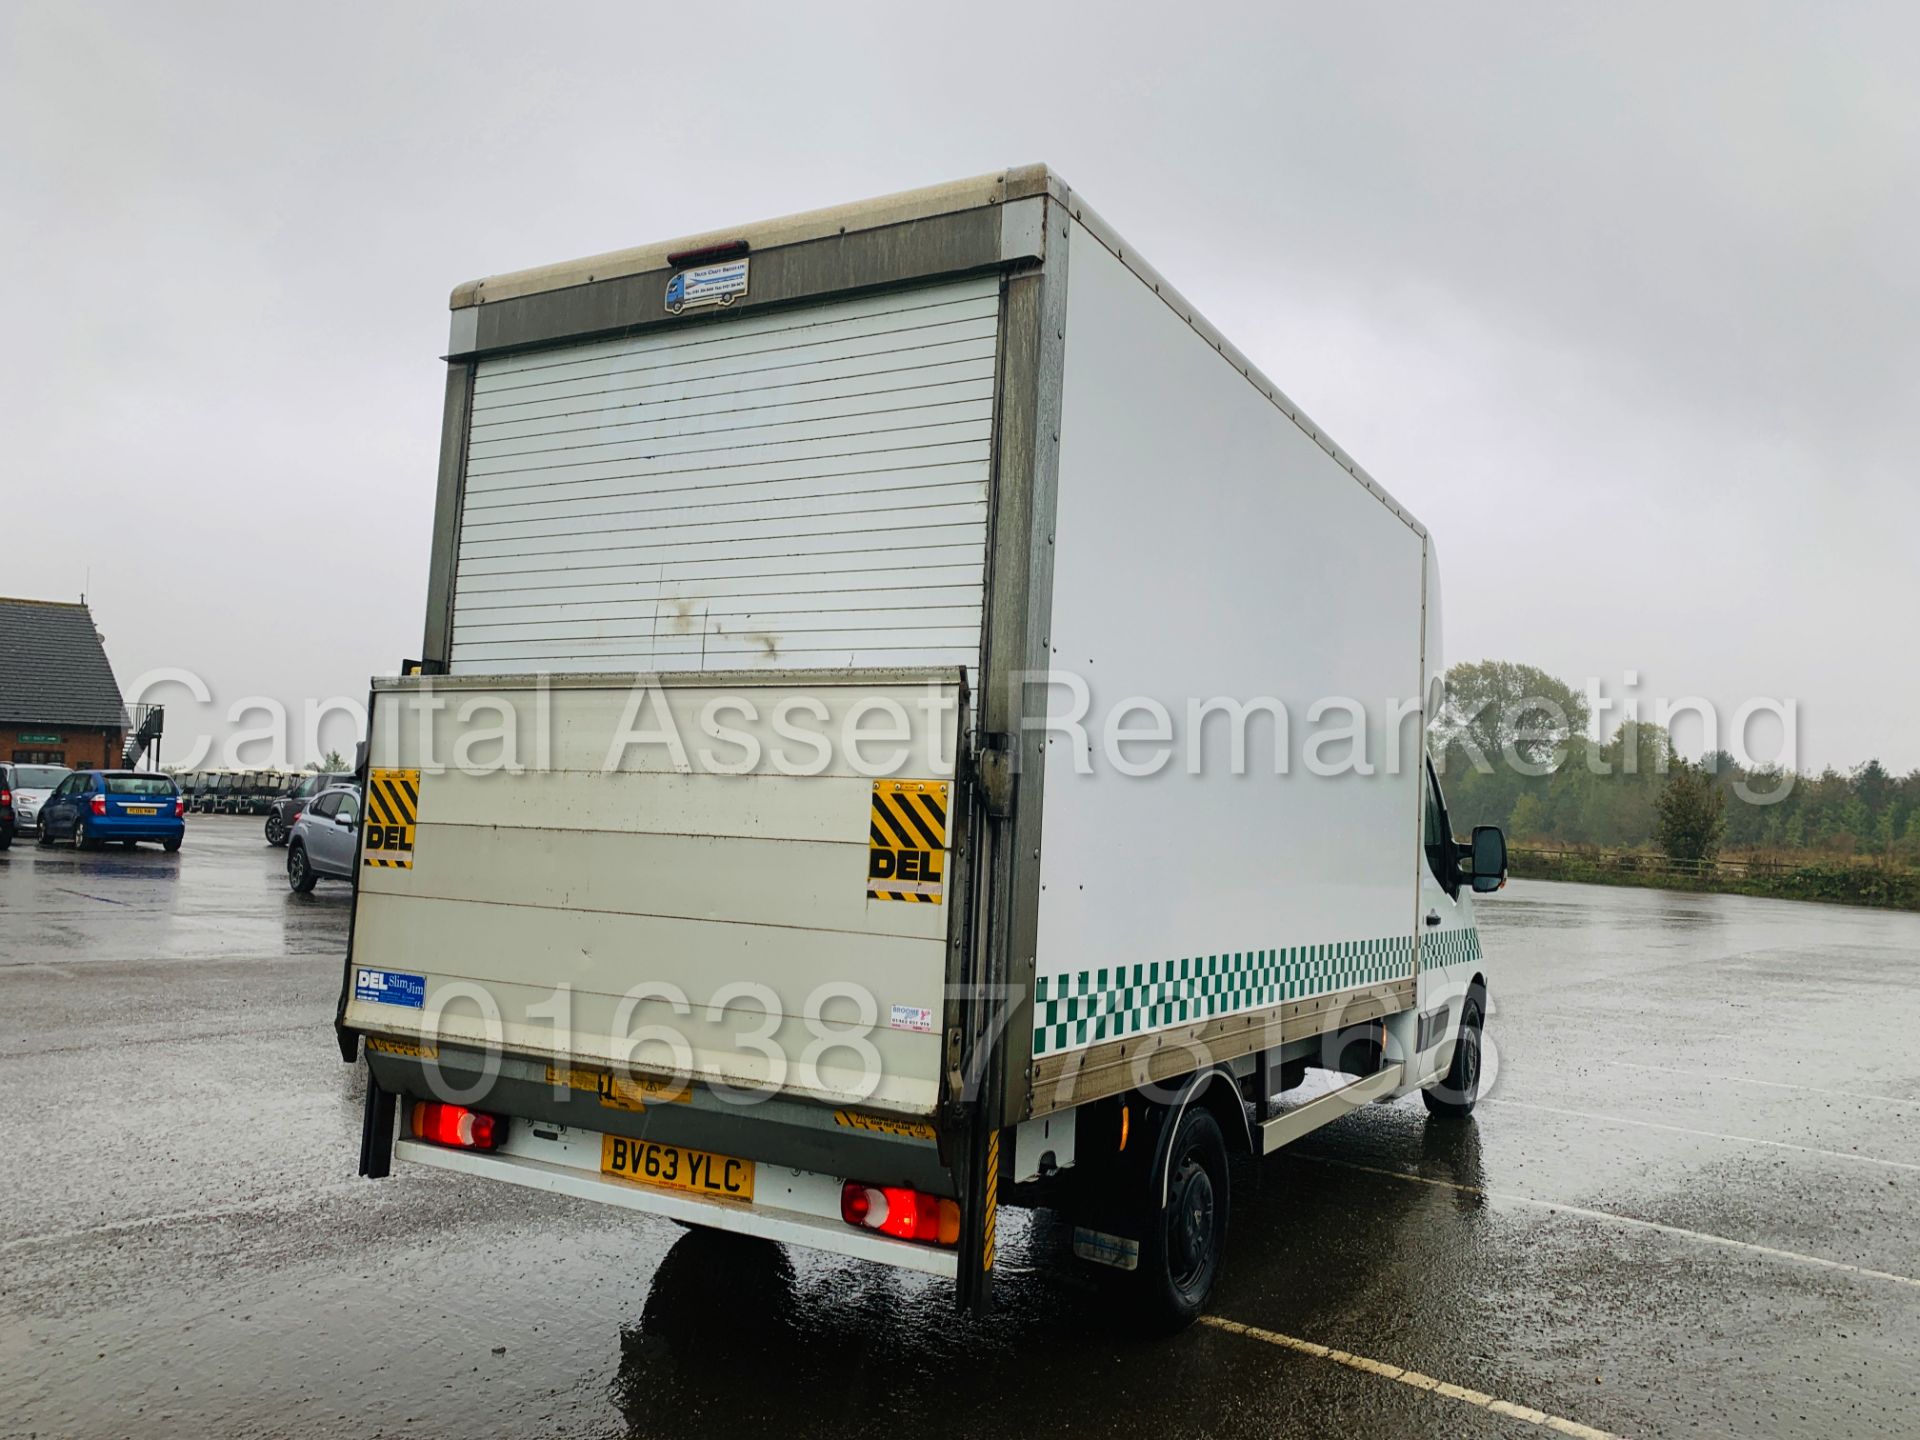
(300,873)
(1186,1235)
(1459,1089)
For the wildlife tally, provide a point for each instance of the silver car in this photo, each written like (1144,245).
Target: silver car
(322,842)
(31,785)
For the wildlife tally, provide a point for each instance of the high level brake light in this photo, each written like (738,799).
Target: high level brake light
(900,1212)
(456,1125)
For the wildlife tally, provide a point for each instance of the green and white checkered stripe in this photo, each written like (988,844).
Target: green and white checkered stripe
(1451,947)
(1089,1006)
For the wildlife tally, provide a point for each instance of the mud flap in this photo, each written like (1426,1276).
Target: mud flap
(376,1130)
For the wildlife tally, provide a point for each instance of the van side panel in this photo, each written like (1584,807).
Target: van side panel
(1208,546)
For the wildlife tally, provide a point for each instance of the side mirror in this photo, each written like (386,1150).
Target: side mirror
(343,818)
(1489,858)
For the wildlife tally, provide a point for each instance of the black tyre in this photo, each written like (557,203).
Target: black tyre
(276,830)
(45,840)
(1185,1238)
(300,874)
(170,845)
(1459,1089)
(6,839)
(84,838)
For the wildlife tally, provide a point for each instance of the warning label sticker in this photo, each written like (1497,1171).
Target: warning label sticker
(393,802)
(907,841)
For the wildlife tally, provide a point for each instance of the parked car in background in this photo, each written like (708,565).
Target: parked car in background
(323,839)
(6,809)
(31,784)
(286,808)
(97,807)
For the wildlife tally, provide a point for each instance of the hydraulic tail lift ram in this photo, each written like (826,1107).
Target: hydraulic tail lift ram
(961,460)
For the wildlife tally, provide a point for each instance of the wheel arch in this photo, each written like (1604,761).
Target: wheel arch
(1217,1091)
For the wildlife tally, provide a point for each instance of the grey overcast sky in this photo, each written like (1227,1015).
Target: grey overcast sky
(1621,299)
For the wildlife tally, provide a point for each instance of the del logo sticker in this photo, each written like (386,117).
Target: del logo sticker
(393,802)
(907,841)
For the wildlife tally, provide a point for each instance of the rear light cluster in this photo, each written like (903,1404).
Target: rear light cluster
(99,804)
(902,1213)
(456,1125)
(179,807)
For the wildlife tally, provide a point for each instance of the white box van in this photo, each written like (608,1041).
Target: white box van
(909,719)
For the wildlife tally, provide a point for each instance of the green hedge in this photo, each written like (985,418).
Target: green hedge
(1837,882)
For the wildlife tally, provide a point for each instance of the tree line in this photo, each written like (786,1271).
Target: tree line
(1512,749)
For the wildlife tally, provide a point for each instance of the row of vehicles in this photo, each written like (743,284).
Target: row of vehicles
(91,808)
(237,792)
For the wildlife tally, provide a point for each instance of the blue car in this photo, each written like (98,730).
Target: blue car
(92,807)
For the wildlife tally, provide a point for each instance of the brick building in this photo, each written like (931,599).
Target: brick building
(59,702)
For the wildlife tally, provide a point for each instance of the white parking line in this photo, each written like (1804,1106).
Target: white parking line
(1910,1104)
(1708,1134)
(1614,1218)
(1411,1378)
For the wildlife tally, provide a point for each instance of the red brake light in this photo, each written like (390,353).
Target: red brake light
(100,804)
(6,797)
(900,1212)
(456,1125)
(179,807)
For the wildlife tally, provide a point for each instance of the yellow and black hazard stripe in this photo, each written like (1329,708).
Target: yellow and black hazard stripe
(907,841)
(393,805)
(990,1222)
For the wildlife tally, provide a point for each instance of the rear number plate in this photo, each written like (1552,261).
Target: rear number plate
(143,809)
(673,1167)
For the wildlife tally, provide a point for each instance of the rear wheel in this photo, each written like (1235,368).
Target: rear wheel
(84,838)
(276,830)
(6,839)
(170,845)
(300,874)
(1459,1089)
(1185,1237)
(45,841)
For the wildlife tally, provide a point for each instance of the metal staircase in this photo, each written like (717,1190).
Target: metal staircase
(148,722)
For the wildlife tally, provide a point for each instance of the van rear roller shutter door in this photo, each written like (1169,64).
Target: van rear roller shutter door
(793,489)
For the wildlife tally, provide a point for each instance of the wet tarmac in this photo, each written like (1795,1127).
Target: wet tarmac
(1691,1207)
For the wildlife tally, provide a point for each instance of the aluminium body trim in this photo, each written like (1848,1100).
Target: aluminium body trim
(1018,625)
(1114,1067)
(1289,1125)
(682,679)
(927,203)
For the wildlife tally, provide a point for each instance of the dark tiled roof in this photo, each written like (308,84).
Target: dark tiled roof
(53,669)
